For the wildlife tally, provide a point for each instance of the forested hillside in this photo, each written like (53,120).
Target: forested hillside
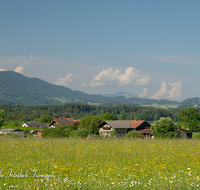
(121,112)
(19,89)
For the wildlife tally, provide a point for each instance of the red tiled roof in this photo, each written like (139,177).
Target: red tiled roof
(135,123)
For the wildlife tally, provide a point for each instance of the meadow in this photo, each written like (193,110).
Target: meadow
(29,163)
(162,106)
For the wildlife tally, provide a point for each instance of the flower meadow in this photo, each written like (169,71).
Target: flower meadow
(28,163)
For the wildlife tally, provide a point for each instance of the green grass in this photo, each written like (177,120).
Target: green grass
(66,100)
(161,106)
(99,163)
(94,104)
(195,133)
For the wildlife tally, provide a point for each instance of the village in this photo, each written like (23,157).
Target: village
(120,128)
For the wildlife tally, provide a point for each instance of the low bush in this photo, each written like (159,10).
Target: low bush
(57,132)
(83,133)
(196,137)
(134,134)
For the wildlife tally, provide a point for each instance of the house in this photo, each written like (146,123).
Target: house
(60,122)
(186,133)
(122,127)
(34,124)
(16,131)
(37,132)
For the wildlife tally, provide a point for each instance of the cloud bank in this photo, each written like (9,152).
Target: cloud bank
(19,69)
(175,92)
(113,77)
(64,81)
(144,93)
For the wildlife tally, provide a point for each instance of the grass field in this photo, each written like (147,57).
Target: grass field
(28,163)
(65,100)
(161,106)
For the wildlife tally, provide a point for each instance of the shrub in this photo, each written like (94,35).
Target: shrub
(13,135)
(134,134)
(57,132)
(67,131)
(113,133)
(81,133)
(165,128)
(197,137)
(26,132)
(72,133)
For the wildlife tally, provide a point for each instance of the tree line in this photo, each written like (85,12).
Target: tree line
(76,110)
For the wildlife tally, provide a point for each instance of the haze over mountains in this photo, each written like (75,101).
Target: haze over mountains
(16,88)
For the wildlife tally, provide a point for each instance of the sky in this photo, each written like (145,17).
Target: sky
(146,47)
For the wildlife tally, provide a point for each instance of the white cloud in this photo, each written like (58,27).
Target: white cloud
(20,69)
(175,92)
(113,77)
(161,92)
(3,70)
(144,92)
(83,85)
(143,81)
(64,81)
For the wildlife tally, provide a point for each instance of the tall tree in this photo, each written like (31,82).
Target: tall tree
(165,128)
(107,116)
(189,119)
(90,123)
(2,117)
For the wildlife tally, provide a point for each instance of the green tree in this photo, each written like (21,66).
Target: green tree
(90,123)
(83,133)
(46,119)
(123,115)
(189,119)
(2,117)
(107,116)
(165,128)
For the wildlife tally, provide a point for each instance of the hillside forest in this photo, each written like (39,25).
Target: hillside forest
(76,110)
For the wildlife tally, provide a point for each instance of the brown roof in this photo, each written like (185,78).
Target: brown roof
(119,124)
(135,123)
(147,131)
(185,130)
(37,124)
(61,121)
(124,123)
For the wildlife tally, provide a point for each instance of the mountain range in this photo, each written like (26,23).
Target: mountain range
(16,88)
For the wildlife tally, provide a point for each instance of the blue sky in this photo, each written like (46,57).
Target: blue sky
(147,47)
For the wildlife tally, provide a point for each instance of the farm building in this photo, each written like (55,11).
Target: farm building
(186,133)
(60,122)
(122,127)
(34,124)
(37,132)
(16,131)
